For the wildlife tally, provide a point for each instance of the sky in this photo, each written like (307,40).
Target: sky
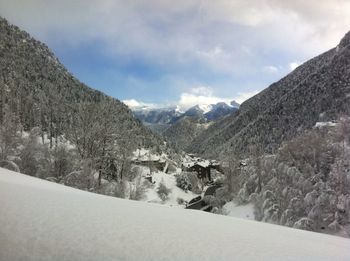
(158,53)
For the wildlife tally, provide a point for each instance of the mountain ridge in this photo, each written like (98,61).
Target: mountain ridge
(286,107)
(170,115)
(41,91)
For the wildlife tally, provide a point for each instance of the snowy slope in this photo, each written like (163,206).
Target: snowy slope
(169,180)
(239,211)
(47,221)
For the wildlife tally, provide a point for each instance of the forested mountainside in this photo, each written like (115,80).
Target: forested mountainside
(318,90)
(40,91)
(54,127)
(182,133)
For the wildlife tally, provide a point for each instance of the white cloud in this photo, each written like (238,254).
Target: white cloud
(201,95)
(293,65)
(202,90)
(134,104)
(270,69)
(243,96)
(164,32)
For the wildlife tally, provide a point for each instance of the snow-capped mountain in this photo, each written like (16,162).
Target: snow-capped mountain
(158,116)
(221,109)
(170,115)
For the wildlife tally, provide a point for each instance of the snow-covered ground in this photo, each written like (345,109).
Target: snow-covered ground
(169,180)
(145,155)
(239,211)
(40,220)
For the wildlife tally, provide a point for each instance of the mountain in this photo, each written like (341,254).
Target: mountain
(184,131)
(318,90)
(40,91)
(157,116)
(162,118)
(220,109)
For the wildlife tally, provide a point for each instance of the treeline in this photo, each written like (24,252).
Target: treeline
(305,184)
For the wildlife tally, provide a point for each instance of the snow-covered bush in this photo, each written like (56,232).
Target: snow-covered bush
(305,224)
(213,201)
(119,189)
(180,201)
(163,191)
(137,189)
(195,182)
(79,179)
(183,182)
(10,165)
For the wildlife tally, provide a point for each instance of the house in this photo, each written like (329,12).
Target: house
(145,158)
(201,167)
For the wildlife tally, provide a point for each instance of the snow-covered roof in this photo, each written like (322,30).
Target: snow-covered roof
(48,221)
(325,124)
(190,161)
(145,155)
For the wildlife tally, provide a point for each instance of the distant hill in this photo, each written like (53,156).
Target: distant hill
(318,90)
(184,131)
(41,92)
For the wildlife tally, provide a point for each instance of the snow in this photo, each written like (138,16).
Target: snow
(239,211)
(169,180)
(205,107)
(190,161)
(145,155)
(41,220)
(325,124)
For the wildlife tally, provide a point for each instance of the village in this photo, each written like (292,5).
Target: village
(204,176)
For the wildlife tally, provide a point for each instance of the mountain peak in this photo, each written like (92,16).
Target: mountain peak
(234,104)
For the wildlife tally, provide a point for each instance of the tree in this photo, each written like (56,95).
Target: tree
(257,153)
(232,173)
(9,134)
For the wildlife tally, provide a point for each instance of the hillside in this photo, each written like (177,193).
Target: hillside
(40,91)
(184,131)
(316,91)
(69,224)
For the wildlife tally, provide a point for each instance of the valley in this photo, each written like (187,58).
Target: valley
(212,179)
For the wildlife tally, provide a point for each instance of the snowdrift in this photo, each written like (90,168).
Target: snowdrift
(40,220)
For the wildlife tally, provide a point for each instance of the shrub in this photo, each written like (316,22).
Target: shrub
(138,189)
(180,201)
(163,191)
(183,182)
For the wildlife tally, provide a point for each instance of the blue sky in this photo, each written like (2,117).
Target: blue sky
(161,52)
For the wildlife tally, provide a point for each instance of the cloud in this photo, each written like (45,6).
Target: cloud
(196,41)
(156,30)
(270,69)
(134,104)
(243,96)
(200,95)
(293,65)
(202,90)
